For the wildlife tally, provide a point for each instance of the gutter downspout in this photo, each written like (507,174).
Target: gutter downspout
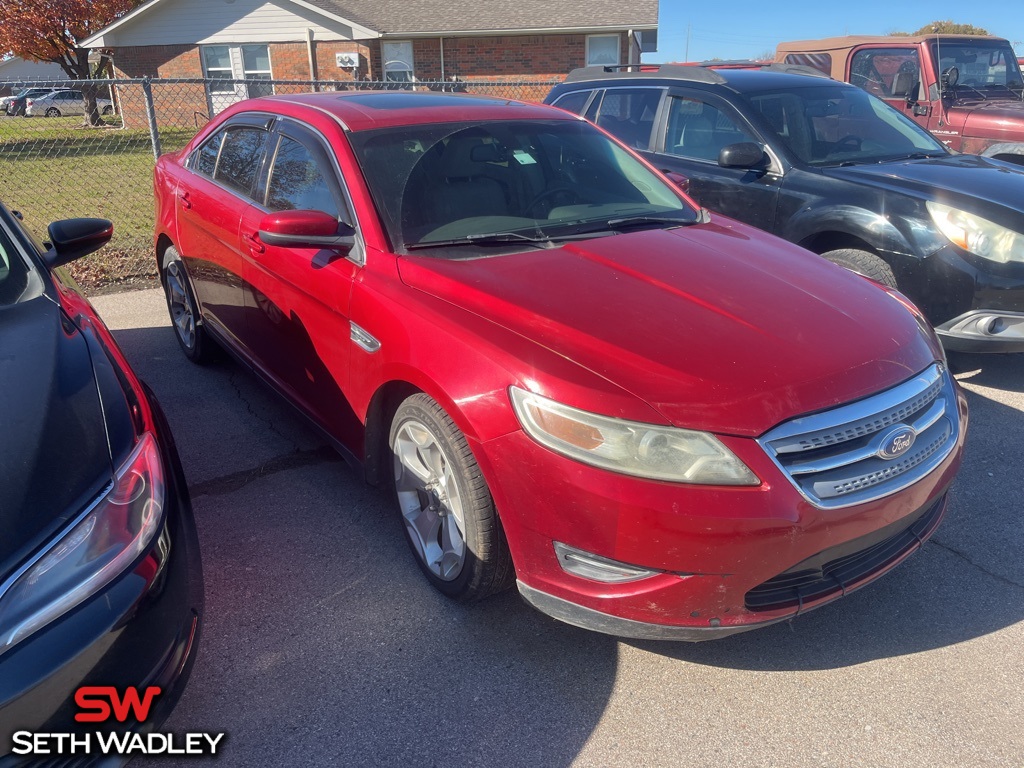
(441,40)
(311,52)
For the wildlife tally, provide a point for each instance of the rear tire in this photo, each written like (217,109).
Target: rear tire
(184,310)
(108,111)
(447,511)
(863,263)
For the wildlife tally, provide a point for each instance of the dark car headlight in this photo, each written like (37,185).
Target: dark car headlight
(89,555)
(977,235)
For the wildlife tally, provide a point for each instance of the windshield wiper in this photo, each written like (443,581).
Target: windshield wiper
(913,156)
(487,238)
(638,221)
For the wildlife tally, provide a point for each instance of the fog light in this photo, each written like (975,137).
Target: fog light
(597,568)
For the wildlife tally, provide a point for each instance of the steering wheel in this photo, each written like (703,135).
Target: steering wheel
(548,193)
(850,141)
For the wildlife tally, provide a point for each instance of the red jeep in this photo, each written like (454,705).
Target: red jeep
(965,89)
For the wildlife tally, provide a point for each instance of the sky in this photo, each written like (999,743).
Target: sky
(745,29)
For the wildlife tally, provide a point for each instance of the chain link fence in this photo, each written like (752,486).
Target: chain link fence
(57,162)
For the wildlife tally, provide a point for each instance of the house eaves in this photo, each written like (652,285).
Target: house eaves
(443,18)
(100,39)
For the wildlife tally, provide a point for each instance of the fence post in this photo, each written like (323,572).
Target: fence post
(154,134)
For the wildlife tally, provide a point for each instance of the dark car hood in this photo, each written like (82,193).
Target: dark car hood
(718,327)
(54,455)
(990,188)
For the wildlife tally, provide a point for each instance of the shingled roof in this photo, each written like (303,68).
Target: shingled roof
(406,17)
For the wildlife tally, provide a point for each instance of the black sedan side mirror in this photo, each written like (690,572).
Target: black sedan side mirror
(746,154)
(72,239)
(306,229)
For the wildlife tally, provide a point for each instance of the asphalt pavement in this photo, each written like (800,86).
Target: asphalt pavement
(323,645)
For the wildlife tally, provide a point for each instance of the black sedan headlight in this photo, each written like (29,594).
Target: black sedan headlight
(101,545)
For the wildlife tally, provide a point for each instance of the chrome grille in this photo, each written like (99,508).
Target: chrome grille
(833,458)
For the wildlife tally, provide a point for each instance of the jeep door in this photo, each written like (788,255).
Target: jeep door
(693,129)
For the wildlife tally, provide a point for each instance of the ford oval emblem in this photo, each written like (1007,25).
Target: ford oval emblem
(897,442)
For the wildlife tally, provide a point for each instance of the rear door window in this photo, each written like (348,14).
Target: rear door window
(574,102)
(239,161)
(628,114)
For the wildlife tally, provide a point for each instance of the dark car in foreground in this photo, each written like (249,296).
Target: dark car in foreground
(100,578)
(655,422)
(841,173)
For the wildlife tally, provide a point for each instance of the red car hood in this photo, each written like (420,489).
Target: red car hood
(718,327)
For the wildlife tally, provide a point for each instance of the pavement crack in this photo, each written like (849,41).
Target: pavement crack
(255,414)
(235,481)
(966,558)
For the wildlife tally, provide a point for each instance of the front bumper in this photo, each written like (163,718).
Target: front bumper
(141,630)
(976,305)
(713,548)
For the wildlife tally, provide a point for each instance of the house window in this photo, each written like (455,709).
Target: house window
(217,62)
(248,62)
(602,50)
(256,66)
(398,63)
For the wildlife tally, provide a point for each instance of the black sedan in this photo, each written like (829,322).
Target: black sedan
(835,170)
(100,578)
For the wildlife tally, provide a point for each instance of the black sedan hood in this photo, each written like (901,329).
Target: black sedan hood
(54,456)
(989,188)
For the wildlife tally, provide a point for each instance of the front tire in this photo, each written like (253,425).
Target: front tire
(863,263)
(447,511)
(184,310)
(53,112)
(107,111)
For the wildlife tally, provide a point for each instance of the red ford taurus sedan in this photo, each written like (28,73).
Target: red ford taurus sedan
(656,423)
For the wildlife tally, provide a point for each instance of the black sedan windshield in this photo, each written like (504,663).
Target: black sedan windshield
(841,125)
(509,183)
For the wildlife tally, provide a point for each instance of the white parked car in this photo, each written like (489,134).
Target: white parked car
(64,102)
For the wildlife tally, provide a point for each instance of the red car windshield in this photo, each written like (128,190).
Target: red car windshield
(508,181)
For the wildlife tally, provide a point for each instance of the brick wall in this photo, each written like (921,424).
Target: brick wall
(504,58)
(511,57)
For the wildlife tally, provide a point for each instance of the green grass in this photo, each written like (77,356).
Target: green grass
(54,168)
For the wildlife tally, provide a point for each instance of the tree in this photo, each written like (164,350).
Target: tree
(50,30)
(950,28)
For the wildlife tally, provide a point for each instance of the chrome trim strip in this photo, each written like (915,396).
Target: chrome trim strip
(837,420)
(363,339)
(927,403)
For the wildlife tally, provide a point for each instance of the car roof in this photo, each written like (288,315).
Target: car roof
(732,75)
(364,110)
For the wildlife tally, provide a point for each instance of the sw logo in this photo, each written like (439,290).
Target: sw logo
(107,704)
(97,703)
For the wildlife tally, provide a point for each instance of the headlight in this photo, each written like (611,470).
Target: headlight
(629,447)
(977,235)
(114,532)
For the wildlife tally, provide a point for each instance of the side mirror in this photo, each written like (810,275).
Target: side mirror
(72,239)
(745,154)
(306,229)
(683,182)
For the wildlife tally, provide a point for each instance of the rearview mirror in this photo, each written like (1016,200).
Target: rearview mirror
(745,154)
(72,239)
(306,229)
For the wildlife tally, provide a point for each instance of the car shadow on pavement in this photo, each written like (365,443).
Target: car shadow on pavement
(322,642)
(967,581)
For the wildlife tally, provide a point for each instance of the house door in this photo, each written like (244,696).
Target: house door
(225,66)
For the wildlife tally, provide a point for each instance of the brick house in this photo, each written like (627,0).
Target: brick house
(392,40)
